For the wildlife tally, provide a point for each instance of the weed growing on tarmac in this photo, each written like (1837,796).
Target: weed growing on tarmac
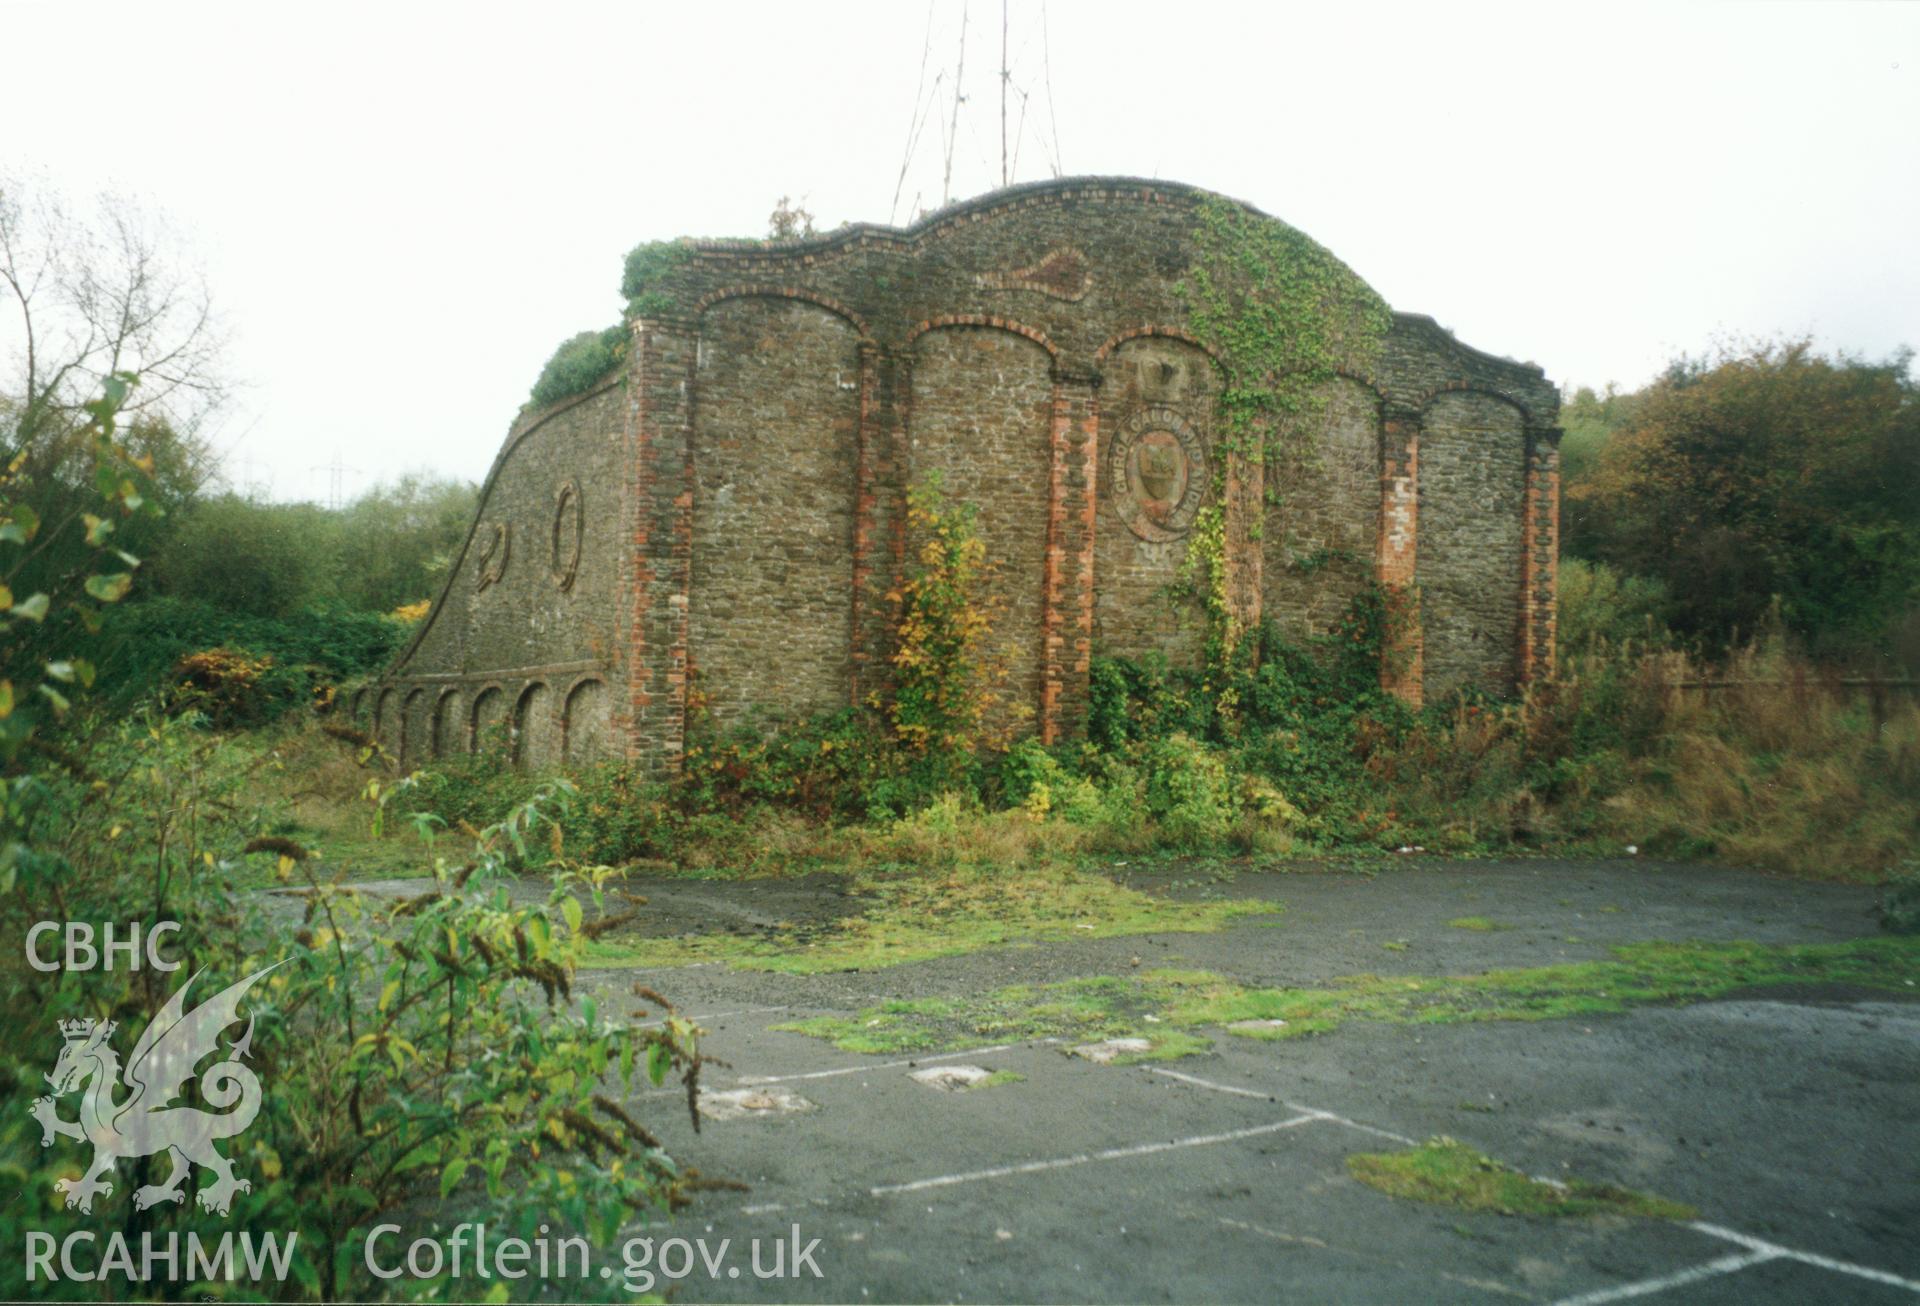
(998,1078)
(1167,1006)
(1479,924)
(914,917)
(1448,1172)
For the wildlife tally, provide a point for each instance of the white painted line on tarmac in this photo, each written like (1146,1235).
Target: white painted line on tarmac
(1085,1158)
(1805,1258)
(1198,1082)
(713,1015)
(1647,1287)
(1387,1134)
(880,1065)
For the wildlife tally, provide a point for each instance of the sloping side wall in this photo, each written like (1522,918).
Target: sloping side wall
(520,642)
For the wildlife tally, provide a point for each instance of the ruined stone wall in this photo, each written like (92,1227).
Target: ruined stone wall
(521,641)
(776,418)
(741,487)
(1473,461)
(1157,465)
(980,417)
(1323,524)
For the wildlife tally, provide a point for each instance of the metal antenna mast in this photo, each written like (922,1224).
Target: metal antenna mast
(336,480)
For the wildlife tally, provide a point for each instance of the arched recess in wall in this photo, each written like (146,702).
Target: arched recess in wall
(357,707)
(449,724)
(536,729)
(1158,464)
(981,416)
(414,729)
(776,445)
(583,724)
(385,728)
(1468,558)
(488,716)
(1322,521)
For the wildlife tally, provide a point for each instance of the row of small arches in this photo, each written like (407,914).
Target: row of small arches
(538,725)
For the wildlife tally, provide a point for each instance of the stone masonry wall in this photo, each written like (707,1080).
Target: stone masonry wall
(775,445)
(523,636)
(981,417)
(1470,569)
(1319,537)
(738,492)
(1158,391)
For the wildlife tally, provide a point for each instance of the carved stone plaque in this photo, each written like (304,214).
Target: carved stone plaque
(1157,474)
(568,526)
(497,543)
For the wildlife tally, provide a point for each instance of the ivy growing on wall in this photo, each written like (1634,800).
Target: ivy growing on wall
(1284,316)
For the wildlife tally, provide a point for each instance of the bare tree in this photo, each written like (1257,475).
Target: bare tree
(789,220)
(89,293)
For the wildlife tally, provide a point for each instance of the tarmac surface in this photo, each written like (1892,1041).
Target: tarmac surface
(1790,1119)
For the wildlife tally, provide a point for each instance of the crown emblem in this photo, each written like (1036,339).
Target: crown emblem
(73,1030)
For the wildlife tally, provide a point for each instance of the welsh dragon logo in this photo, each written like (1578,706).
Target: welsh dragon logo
(173,1044)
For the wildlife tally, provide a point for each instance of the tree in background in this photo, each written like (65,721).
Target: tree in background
(92,293)
(397,542)
(87,297)
(1768,473)
(251,558)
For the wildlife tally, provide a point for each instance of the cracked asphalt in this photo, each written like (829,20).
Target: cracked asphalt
(1789,1118)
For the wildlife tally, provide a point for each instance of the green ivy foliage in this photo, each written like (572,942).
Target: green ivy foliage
(1283,314)
(647,267)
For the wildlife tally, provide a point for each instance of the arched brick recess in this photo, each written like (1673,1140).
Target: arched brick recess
(1469,561)
(981,415)
(385,725)
(758,290)
(488,715)
(536,728)
(1322,527)
(583,723)
(776,448)
(449,724)
(414,729)
(1155,379)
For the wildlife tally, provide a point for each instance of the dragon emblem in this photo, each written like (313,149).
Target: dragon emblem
(173,1044)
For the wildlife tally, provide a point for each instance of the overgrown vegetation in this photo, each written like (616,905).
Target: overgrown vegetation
(1765,477)
(1779,770)
(1283,314)
(579,363)
(416,1047)
(1157,1004)
(1448,1172)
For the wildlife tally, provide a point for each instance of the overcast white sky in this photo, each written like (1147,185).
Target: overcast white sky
(402,209)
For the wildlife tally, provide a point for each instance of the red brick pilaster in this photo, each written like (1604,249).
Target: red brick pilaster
(1244,490)
(657,563)
(1540,553)
(1072,503)
(870,454)
(1396,554)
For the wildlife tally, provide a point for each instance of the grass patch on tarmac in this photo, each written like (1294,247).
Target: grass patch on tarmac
(1449,1173)
(1168,1006)
(915,916)
(1479,924)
